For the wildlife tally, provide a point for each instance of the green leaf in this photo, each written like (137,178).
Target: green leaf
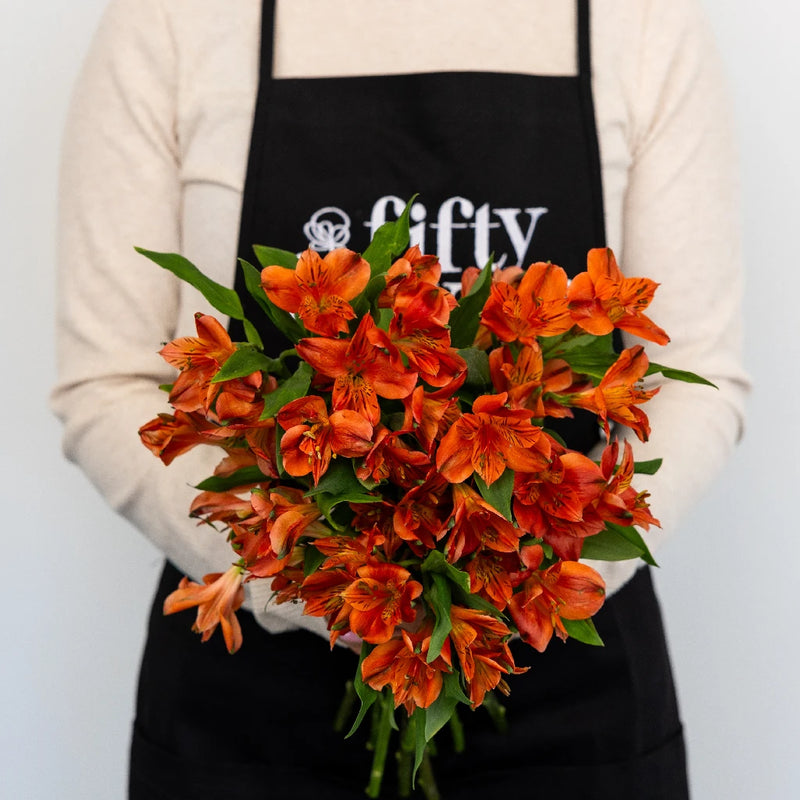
(290,327)
(244,361)
(339,485)
(478,375)
(608,545)
(341,480)
(389,241)
(242,477)
(556,346)
(440,711)
(275,257)
(421,743)
(647,467)
(366,695)
(498,494)
(632,535)
(588,355)
(616,543)
(291,389)
(678,375)
(222,298)
(439,599)
(312,558)
(252,334)
(583,630)
(466,316)
(478,603)
(436,563)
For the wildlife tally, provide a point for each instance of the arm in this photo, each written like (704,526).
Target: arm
(120,187)
(681,228)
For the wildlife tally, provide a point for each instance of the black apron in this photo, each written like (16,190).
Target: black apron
(505,164)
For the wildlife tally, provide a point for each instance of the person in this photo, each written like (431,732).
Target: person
(530,130)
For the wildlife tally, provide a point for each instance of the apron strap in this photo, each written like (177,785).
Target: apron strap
(255,161)
(267,38)
(590,126)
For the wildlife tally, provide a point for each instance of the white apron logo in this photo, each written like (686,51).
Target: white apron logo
(327,229)
(457,216)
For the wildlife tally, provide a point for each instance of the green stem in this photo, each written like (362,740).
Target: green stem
(345,711)
(381,744)
(426,779)
(497,711)
(405,755)
(457,732)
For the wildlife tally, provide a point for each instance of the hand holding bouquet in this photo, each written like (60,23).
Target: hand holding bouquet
(392,469)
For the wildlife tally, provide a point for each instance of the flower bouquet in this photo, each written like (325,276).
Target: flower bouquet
(393,470)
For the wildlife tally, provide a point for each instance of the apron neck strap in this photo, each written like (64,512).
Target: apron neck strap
(267,40)
(584,43)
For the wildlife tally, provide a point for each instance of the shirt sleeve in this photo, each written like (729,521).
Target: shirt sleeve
(681,228)
(120,187)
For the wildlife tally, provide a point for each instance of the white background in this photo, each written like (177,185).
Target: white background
(76,580)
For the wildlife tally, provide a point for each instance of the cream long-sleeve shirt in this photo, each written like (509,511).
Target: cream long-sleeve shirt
(155,153)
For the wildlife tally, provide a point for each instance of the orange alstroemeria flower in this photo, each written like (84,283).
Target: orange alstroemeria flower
(209,350)
(318,289)
(616,397)
(430,415)
(480,642)
(409,270)
(602,299)
(364,368)
(476,525)
(536,307)
(312,437)
(391,459)
(376,520)
(217,602)
(557,504)
(512,275)
(528,380)
(261,440)
(403,664)
(419,330)
(225,507)
(322,594)
(620,503)
(490,439)
(381,597)
(168,436)
(566,590)
(288,517)
(250,540)
(490,576)
(422,515)
(199,358)
(349,551)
